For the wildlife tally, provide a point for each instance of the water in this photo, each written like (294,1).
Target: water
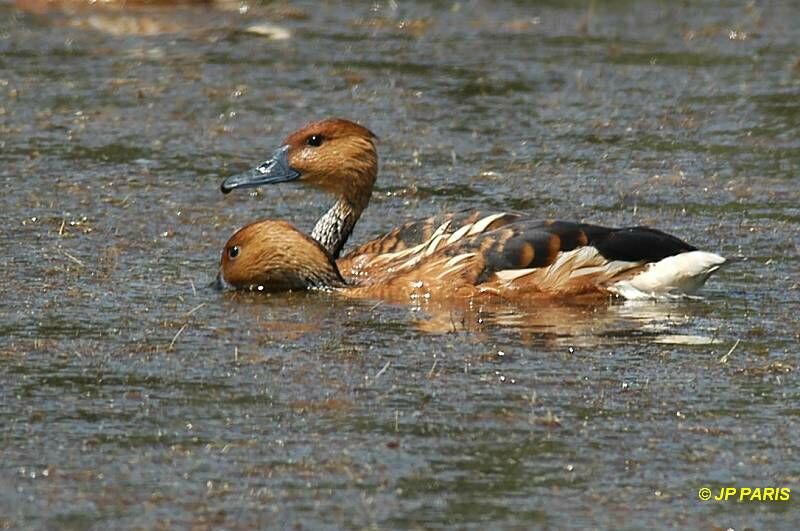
(134,396)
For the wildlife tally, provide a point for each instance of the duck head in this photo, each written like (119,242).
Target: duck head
(275,256)
(335,155)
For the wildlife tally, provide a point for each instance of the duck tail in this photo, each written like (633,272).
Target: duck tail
(677,276)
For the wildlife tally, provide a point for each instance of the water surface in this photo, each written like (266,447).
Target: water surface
(132,395)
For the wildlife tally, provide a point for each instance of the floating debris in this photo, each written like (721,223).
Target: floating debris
(270,31)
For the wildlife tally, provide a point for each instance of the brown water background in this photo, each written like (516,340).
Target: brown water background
(132,395)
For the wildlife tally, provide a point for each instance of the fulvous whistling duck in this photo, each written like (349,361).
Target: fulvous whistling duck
(523,259)
(502,254)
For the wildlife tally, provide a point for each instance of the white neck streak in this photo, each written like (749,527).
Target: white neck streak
(335,226)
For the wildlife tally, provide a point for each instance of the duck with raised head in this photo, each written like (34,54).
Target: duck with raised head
(340,157)
(510,251)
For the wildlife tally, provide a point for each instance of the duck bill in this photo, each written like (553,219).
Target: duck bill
(219,284)
(274,170)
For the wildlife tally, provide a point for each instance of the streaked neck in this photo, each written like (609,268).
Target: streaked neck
(335,226)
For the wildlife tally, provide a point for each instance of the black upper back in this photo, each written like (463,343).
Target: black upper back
(535,243)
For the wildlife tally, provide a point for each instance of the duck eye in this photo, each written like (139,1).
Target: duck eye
(233,252)
(315,140)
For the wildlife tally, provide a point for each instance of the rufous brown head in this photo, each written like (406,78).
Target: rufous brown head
(275,256)
(335,155)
